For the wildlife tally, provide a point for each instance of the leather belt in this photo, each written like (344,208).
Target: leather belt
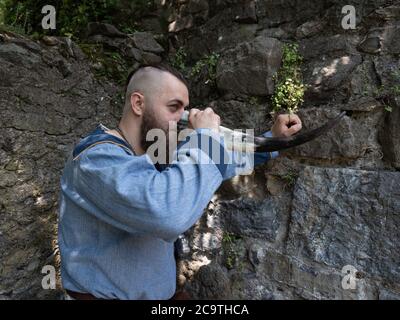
(180,295)
(82,296)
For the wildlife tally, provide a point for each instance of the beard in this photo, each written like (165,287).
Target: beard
(149,122)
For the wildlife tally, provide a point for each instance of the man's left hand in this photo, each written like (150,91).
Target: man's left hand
(286,125)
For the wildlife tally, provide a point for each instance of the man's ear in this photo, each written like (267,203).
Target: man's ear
(137,103)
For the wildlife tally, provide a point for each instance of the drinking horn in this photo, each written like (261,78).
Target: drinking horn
(238,140)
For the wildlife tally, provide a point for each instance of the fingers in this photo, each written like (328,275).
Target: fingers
(294,128)
(209,111)
(193,112)
(295,120)
(286,125)
(204,119)
(289,119)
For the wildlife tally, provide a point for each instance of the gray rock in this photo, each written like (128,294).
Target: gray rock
(309,28)
(349,221)
(389,135)
(50,41)
(388,13)
(133,53)
(151,58)
(245,12)
(351,140)
(236,114)
(364,104)
(145,41)
(198,9)
(110,42)
(196,6)
(328,63)
(211,282)
(272,13)
(388,74)
(371,44)
(385,294)
(104,29)
(384,39)
(15,53)
(217,34)
(277,33)
(256,254)
(249,67)
(254,219)
(332,46)
(154,24)
(364,81)
(181,23)
(48,100)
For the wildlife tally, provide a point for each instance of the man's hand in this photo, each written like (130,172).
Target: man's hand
(286,125)
(204,119)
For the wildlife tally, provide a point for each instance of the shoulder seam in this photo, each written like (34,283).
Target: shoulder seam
(101,142)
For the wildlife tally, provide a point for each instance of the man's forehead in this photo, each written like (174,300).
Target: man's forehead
(173,81)
(175,90)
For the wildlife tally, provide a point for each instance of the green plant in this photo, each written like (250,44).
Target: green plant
(253,101)
(210,63)
(385,93)
(289,87)
(229,238)
(379,91)
(109,64)
(72,17)
(178,61)
(290,177)
(92,51)
(1,12)
(388,108)
(129,29)
(396,90)
(228,242)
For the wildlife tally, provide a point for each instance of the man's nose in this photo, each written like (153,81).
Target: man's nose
(179,115)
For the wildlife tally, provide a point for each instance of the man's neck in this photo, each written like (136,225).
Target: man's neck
(131,135)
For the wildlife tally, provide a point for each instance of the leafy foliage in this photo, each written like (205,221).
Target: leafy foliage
(205,68)
(72,17)
(228,242)
(178,61)
(209,64)
(290,177)
(107,64)
(289,87)
(385,93)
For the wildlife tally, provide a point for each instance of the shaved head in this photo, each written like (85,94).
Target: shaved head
(146,81)
(149,81)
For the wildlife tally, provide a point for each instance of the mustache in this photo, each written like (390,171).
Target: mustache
(270,144)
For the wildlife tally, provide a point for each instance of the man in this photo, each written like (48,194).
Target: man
(120,214)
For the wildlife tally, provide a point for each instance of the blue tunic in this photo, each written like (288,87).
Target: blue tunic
(120,214)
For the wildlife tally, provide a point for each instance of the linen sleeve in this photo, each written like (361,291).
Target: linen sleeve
(241,163)
(129,193)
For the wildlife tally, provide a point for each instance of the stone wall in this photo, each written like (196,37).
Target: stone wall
(283,232)
(48,99)
(286,231)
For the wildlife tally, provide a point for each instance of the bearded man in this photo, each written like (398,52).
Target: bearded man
(120,213)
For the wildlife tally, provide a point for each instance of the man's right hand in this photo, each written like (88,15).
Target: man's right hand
(204,119)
